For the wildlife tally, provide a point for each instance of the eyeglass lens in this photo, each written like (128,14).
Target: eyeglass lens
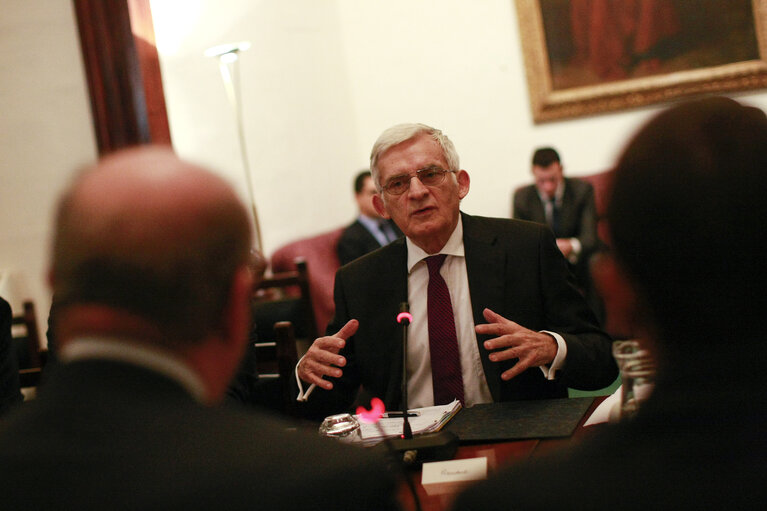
(429,176)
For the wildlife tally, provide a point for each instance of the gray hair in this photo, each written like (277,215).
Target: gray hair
(403,132)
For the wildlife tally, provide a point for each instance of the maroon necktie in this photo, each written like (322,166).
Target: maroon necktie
(443,343)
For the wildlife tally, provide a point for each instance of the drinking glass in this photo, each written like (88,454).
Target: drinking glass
(637,375)
(343,427)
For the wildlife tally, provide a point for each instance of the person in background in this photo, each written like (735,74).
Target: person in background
(370,230)
(497,315)
(10,393)
(150,269)
(686,216)
(567,206)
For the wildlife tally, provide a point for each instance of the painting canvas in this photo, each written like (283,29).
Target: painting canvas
(589,56)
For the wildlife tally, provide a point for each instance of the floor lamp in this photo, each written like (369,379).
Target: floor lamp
(228,58)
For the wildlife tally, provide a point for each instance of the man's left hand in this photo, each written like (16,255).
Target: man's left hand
(533,349)
(565,246)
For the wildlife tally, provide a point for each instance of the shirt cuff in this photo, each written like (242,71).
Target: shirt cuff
(575,253)
(549,372)
(303,396)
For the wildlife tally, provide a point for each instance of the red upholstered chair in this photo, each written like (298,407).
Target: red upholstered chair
(601,184)
(321,258)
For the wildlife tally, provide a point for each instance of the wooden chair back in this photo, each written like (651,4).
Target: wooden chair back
(26,344)
(282,315)
(286,296)
(321,254)
(276,359)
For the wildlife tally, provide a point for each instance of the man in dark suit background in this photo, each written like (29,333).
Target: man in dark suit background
(567,206)
(370,230)
(517,327)
(10,393)
(152,281)
(686,216)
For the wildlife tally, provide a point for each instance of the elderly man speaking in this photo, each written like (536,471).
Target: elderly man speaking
(497,315)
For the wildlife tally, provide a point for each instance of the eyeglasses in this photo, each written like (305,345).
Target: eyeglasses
(429,176)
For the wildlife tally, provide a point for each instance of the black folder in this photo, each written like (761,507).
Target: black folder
(518,420)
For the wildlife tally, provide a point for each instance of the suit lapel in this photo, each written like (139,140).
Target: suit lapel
(537,210)
(486,287)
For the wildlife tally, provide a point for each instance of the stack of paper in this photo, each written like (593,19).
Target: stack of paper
(422,420)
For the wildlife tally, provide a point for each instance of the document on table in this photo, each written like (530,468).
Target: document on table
(422,420)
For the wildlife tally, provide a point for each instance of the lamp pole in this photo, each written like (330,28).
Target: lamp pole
(228,59)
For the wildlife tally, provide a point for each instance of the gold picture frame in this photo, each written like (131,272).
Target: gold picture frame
(601,90)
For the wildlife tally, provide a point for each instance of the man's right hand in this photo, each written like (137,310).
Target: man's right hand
(323,359)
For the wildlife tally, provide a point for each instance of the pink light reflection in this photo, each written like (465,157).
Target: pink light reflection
(404,315)
(376,411)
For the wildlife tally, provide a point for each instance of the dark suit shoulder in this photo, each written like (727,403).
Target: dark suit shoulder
(356,240)
(210,458)
(526,204)
(353,229)
(501,228)
(372,264)
(525,192)
(5,310)
(579,186)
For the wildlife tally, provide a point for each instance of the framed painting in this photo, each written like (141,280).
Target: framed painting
(584,57)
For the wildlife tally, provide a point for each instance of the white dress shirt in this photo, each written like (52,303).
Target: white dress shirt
(420,390)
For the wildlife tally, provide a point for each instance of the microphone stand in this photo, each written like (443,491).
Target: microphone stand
(403,318)
(426,447)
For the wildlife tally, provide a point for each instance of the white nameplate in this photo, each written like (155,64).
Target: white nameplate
(472,469)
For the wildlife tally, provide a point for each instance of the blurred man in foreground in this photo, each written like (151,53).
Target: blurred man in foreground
(686,217)
(150,270)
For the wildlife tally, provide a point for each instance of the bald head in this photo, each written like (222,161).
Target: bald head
(148,233)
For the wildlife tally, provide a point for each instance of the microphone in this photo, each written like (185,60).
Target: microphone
(404,318)
(427,447)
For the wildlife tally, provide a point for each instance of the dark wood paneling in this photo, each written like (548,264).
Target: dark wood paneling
(149,62)
(119,74)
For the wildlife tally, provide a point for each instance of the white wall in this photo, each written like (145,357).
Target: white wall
(324,77)
(45,132)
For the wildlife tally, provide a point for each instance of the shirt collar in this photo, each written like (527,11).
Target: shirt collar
(453,247)
(558,193)
(369,221)
(131,352)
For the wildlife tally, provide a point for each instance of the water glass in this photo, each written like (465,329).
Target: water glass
(343,427)
(637,375)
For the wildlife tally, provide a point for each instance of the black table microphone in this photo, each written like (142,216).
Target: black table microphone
(427,447)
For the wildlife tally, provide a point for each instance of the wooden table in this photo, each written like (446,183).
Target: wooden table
(498,454)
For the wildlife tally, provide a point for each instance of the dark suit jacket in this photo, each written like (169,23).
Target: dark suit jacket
(690,447)
(108,435)
(515,269)
(10,394)
(356,241)
(578,217)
